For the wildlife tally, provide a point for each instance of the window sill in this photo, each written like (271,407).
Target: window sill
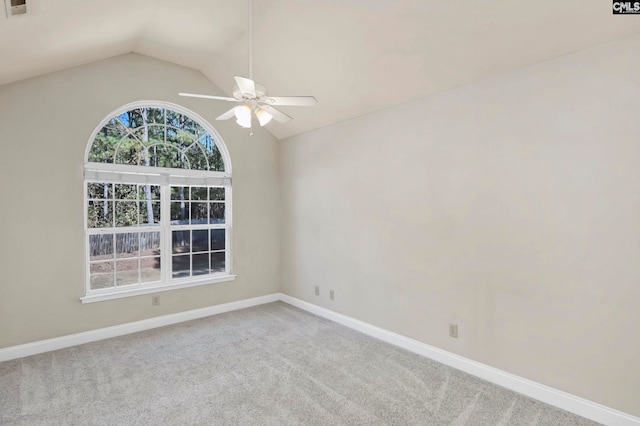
(154,288)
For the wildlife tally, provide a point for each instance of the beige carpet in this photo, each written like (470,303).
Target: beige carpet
(269,365)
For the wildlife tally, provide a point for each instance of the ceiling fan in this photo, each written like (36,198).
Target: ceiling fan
(252,98)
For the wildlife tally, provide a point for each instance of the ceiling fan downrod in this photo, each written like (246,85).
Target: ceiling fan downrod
(252,99)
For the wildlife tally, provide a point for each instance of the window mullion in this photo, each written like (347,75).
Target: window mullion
(165,206)
(228,264)
(87,267)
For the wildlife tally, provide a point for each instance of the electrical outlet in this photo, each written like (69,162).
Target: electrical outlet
(453,330)
(331,295)
(16,7)
(317,291)
(155,300)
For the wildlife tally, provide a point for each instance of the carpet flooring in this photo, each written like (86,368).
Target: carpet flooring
(268,365)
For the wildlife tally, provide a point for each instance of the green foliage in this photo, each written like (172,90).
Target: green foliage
(197,158)
(126,213)
(179,138)
(216,212)
(105,142)
(155,115)
(122,205)
(180,212)
(129,151)
(158,138)
(199,193)
(149,135)
(214,158)
(167,156)
(125,191)
(198,212)
(180,193)
(100,214)
(216,194)
(149,219)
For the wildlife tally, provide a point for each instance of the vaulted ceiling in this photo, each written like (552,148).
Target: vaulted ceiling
(355,56)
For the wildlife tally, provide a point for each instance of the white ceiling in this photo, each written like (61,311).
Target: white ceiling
(355,56)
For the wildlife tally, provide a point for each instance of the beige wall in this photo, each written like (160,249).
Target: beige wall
(510,207)
(45,124)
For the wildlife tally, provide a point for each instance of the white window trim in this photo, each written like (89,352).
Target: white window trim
(102,295)
(115,173)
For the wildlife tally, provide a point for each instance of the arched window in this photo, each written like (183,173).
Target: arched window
(157,203)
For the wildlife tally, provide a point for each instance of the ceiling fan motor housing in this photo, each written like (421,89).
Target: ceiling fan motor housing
(261,93)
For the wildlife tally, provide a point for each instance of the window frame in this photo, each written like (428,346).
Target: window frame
(165,177)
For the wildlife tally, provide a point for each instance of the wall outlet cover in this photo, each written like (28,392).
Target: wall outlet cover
(453,330)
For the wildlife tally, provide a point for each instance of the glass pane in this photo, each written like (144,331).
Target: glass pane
(99,190)
(126,213)
(101,275)
(179,192)
(214,158)
(180,266)
(149,216)
(125,191)
(199,213)
(179,213)
(166,156)
(127,245)
(217,262)
(150,269)
(100,247)
(197,129)
(189,125)
(129,152)
(116,125)
(181,241)
(200,240)
(154,115)
(216,194)
(104,145)
(100,214)
(173,118)
(132,119)
(217,239)
(151,135)
(216,212)
(149,243)
(197,157)
(179,139)
(201,264)
(199,193)
(127,272)
(149,192)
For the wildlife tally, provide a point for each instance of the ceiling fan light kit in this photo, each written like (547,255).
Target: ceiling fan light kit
(263,116)
(252,97)
(243,115)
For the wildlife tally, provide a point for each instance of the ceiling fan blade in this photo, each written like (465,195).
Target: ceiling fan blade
(291,100)
(279,116)
(219,98)
(227,115)
(246,86)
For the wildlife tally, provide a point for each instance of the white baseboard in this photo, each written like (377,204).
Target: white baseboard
(551,396)
(546,394)
(42,346)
